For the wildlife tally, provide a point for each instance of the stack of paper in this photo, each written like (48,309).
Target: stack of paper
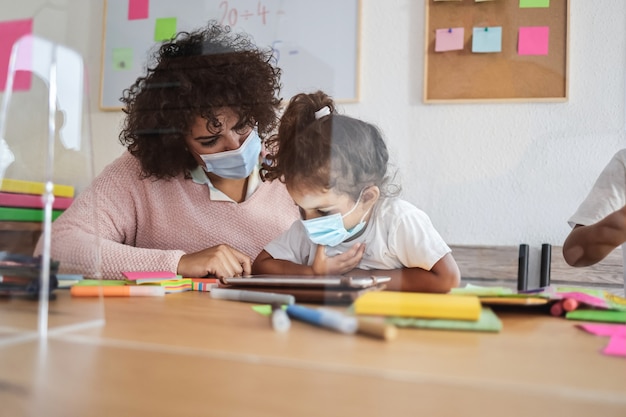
(22,200)
(434,311)
(171,282)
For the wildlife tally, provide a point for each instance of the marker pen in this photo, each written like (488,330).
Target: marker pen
(376,328)
(569,304)
(279,319)
(323,318)
(557,308)
(260,297)
(522,267)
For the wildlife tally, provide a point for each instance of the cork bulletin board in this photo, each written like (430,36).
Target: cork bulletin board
(524,68)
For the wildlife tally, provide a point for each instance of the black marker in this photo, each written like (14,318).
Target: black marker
(544,273)
(522,268)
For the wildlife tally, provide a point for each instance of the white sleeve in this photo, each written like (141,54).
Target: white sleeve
(415,241)
(293,245)
(607,195)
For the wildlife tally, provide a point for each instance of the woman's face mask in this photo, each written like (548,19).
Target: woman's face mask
(330,230)
(237,163)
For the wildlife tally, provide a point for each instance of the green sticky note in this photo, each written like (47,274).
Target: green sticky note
(122,59)
(102,283)
(487,322)
(164,28)
(265,309)
(611,316)
(528,4)
(479,291)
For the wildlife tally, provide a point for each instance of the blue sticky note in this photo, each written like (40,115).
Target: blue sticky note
(487,39)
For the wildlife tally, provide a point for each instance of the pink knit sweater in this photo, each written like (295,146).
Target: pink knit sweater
(147,224)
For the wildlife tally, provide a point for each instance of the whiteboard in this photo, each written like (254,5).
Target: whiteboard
(315,42)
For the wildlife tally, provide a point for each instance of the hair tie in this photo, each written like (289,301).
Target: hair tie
(324,111)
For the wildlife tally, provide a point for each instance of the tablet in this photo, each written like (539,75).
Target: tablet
(306,281)
(316,295)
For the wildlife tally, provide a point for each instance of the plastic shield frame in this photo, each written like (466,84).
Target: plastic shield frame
(45,160)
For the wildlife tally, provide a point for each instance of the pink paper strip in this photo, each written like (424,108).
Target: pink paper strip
(134,275)
(605,329)
(616,346)
(10,32)
(617,333)
(581,297)
(33,201)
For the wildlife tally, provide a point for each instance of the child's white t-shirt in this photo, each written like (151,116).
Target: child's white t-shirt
(397,235)
(607,195)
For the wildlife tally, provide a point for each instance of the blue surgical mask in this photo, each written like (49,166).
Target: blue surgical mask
(237,163)
(330,230)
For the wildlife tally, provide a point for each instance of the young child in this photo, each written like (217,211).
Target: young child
(599,224)
(335,169)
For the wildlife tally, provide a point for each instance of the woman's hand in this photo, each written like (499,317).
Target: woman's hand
(219,261)
(338,264)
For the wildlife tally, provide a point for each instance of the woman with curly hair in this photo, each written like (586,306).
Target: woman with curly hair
(187,196)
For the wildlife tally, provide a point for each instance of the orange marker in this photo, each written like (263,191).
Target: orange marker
(116,291)
(569,304)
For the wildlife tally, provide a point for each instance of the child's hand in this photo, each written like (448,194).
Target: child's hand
(338,264)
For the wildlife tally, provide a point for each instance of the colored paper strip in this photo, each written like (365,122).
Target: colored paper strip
(10,32)
(617,334)
(616,346)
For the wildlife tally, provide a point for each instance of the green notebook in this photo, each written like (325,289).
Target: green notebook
(611,316)
(487,322)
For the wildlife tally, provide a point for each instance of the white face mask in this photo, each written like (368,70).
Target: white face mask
(237,163)
(330,230)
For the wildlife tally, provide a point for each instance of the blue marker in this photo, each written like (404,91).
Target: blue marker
(324,318)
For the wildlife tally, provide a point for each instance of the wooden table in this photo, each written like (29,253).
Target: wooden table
(189,355)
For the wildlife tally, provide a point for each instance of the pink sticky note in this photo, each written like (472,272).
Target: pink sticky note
(533,40)
(10,32)
(138,9)
(450,39)
(616,346)
(590,300)
(134,275)
(605,329)
(617,332)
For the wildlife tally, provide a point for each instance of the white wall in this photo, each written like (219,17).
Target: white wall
(492,174)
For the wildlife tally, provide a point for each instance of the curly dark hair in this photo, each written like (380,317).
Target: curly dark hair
(332,152)
(193,75)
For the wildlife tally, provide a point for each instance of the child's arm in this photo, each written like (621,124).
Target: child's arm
(265,264)
(322,265)
(587,245)
(441,278)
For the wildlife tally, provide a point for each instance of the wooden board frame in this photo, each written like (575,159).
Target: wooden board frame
(463,76)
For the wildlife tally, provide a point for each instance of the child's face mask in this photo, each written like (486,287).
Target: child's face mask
(237,163)
(330,230)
